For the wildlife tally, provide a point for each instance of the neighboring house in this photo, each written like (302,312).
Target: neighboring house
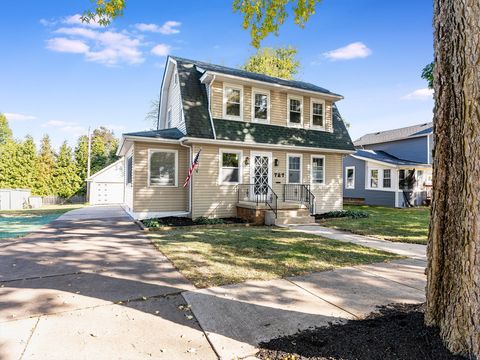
(269,147)
(107,185)
(391,168)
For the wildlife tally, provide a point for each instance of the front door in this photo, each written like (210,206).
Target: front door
(261,174)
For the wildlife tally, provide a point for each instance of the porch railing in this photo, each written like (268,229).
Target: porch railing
(300,193)
(259,194)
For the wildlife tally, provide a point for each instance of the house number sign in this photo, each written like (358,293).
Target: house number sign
(279,175)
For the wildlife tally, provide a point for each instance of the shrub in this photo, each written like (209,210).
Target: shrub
(353,214)
(152,223)
(208,221)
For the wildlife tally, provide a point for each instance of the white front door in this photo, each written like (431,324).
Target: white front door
(261,173)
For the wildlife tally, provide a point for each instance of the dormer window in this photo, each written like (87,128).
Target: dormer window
(317,114)
(295,106)
(261,105)
(232,102)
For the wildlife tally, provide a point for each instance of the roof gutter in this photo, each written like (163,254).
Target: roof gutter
(333,97)
(389,164)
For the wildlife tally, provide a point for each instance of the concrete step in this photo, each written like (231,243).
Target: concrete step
(284,217)
(294,220)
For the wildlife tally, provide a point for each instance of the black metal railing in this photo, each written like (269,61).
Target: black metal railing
(259,194)
(300,193)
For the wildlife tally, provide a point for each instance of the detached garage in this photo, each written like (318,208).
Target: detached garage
(106,186)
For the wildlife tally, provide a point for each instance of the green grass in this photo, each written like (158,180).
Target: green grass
(227,255)
(18,223)
(408,225)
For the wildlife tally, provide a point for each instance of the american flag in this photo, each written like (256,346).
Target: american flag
(194,165)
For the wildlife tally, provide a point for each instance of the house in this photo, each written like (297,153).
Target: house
(107,185)
(270,149)
(391,168)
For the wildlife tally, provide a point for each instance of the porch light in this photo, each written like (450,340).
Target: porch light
(247,160)
(275,162)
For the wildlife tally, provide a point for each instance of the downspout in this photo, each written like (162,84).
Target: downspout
(190,159)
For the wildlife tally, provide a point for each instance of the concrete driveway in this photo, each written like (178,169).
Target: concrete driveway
(91,286)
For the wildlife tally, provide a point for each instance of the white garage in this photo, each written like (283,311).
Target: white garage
(106,186)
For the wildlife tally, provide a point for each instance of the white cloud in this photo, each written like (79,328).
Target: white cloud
(351,51)
(77,31)
(62,44)
(419,94)
(18,117)
(168,28)
(77,20)
(161,50)
(68,127)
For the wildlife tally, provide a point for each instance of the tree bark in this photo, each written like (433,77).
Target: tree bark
(453,271)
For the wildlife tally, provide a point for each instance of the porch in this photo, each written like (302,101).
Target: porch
(260,204)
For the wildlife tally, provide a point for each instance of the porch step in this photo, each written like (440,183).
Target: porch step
(284,217)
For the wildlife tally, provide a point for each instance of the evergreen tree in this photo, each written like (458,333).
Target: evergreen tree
(45,168)
(5,131)
(9,173)
(65,178)
(25,162)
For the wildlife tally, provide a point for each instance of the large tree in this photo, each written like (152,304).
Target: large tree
(45,168)
(5,131)
(279,62)
(453,271)
(65,179)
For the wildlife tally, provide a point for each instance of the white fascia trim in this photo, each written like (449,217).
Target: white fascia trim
(265,83)
(105,169)
(170,62)
(265,146)
(209,84)
(391,165)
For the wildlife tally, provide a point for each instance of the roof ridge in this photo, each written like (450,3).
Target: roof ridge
(396,129)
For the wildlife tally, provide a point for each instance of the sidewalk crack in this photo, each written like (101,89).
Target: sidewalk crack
(29,338)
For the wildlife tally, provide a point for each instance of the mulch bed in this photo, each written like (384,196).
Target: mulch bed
(175,221)
(394,332)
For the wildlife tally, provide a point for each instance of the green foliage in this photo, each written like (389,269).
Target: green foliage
(427,74)
(45,166)
(25,164)
(279,62)
(9,173)
(104,11)
(65,178)
(5,131)
(264,17)
(208,221)
(353,214)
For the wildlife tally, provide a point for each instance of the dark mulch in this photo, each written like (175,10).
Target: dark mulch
(185,221)
(395,332)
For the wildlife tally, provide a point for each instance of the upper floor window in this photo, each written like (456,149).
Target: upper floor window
(318,170)
(230,166)
(350,177)
(295,106)
(294,167)
(317,113)
(163,168)
(232,101)
(169,118)
(261,105)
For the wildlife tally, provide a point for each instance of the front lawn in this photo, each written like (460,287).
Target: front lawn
(17,223)
(225,255)
(403,225)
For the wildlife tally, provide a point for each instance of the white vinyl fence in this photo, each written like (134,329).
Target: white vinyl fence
(14,199)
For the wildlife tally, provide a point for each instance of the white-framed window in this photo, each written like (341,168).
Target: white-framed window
(162,168)
(317,113)
(175,79)
(169,118)
(232,102)
(294,168)
(317,167)
(230,167)
(350,177)
(294,111)
(387,178)
(261,105)
(129,171)
(373,178)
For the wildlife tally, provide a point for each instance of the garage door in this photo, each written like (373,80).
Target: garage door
(106,193)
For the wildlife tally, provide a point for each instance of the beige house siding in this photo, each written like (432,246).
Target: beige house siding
(158,199)
(278,106)
(211,199)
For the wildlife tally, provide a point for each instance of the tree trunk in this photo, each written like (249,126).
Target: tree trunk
(453,271)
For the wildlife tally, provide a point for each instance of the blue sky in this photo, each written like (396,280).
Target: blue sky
(60,77)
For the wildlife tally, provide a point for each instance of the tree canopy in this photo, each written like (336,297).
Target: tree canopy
(5,131)
(279,62)
(427,74)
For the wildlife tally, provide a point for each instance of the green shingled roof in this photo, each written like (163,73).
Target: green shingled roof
(282,135)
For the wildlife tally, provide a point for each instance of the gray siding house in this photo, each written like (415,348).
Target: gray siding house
(390,168)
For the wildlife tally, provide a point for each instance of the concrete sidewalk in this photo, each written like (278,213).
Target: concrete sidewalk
(237,318)
(91,286)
